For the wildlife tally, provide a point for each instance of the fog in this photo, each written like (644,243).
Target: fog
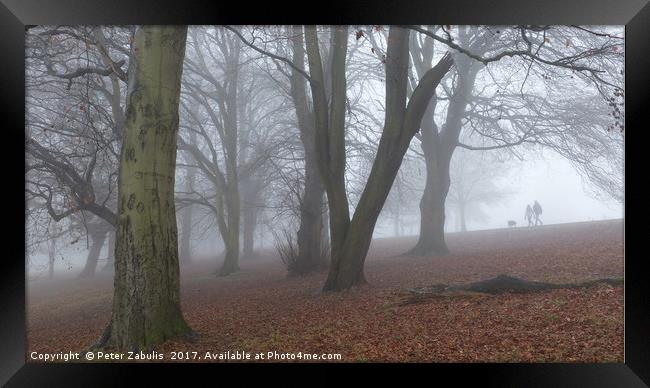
(552,181)
(356,193)
(246,167)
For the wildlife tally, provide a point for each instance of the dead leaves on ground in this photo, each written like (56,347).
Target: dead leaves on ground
(262,310)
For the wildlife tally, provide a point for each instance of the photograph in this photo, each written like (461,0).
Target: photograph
(324,193)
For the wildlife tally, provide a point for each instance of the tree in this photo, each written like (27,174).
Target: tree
(75,84)
(309,241)
(350,237)
(98,230)
(146,300)
(310,245)
(221,106)
(588,58)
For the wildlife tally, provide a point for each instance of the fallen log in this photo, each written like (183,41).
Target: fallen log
(502,284)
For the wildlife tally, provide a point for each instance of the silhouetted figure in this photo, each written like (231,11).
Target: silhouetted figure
(537,209)
(529,215)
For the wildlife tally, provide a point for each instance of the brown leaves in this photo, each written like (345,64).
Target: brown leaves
(259,309)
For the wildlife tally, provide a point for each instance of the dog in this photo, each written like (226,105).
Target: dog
(512,223)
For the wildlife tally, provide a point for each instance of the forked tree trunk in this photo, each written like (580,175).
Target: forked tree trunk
(351,239)
(146,301)
(438,149)
(97,242)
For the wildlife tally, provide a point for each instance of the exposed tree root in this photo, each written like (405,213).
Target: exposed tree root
(104,343)
(420,251)
(499,285)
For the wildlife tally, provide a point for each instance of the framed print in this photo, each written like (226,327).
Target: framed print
(388,188)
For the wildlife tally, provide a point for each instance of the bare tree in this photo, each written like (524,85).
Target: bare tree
(146,300)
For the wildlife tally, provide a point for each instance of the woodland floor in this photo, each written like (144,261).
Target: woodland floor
(260,309)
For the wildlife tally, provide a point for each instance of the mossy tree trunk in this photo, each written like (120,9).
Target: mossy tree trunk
(146,300)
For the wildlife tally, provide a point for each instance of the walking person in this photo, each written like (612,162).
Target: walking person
(529,215)
(537,209)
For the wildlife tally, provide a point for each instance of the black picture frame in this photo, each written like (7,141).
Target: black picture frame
(15,15)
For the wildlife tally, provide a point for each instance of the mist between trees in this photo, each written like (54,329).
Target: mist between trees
(148,145)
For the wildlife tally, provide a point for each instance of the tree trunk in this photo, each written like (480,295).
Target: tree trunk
(97,242)
(146,300)
(438,149)
(431,240)
(230,140)
(249,225)
(325,231)
(51,251)
(310,249)
(110,259)
(310,243)
(402,121)
(231,257)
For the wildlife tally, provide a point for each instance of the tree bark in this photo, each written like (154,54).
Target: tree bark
(146,300)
